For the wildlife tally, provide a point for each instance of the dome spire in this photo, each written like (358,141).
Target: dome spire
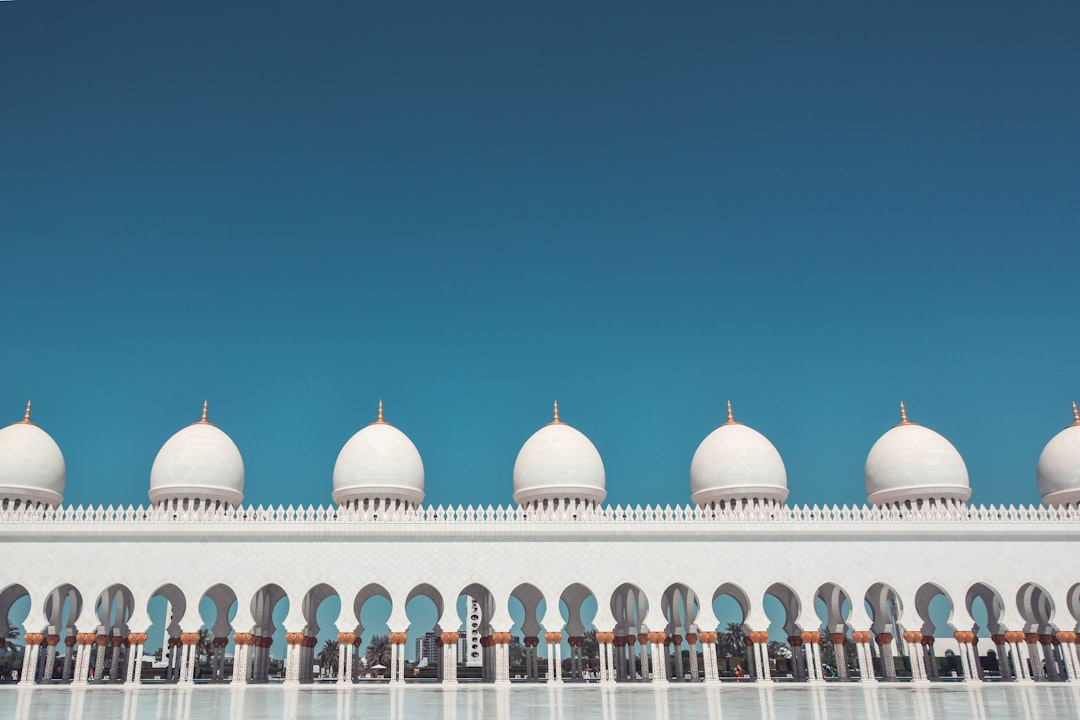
(730,415)
(26,417)
(903,414)
(203,419)
(379,419)
(556,420)
(1076,413)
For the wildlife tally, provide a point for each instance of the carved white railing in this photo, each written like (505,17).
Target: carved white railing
(602,515)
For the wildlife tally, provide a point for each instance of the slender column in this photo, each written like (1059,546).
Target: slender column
(99,659)
(1067,643)
(838,641)
(692,641)
(397,660)
(30,655)
(187,658)
(242,647)
(1001,647)
(82,659)
(759,640)
(293,642)
(708,654)
(134,670)
(554,669)
(913,639)
(1020,670)
(604,643)
(812,643)
(449,655)
(798,657)
(888,663)
(1046,643)
(676,648)
(643,643)
(51,641)
(344,666)
(114,665)
(69,656)
(1032,640)
(501,644)
(965,638)
(655,647)
(862,654)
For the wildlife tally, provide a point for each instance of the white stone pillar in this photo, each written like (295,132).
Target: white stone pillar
(136,642)
(449,657)
(293,649)
(604,641)
(965,638)
(862,655)
(1067,640)
(187,657)
(85,642)
(644,652)
(692,641)
(99,660)
(708,655)
(51,641)
(344,672)
(242,643)
(913,640)
(657,656)
(69,655)
(397,657)
(30,658)
(811,640)
(501,645)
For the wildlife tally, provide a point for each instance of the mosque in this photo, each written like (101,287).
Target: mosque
(849,579)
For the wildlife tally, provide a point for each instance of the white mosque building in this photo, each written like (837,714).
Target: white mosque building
(866,574)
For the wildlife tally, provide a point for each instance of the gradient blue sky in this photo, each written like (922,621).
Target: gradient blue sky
(472,209)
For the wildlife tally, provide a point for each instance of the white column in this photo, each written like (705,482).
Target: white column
(814,660)
(241,655)
(1068,651)
(30,658)
(657,656)
(862,656)
(344,672)
(449,656)
(82,658)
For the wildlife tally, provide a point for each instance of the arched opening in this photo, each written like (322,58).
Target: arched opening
(476,655)
(934,607)
(987,608)
(113,608)
(577,604)
(731,606)
(14,609)
(785,646)
(319,646)
(526,605)
(630,607)
(885,610)
(269,608)
(1037,608)
(166,608)
(839,655)
(371,648)
(424,607)
(680,606)
(217,608)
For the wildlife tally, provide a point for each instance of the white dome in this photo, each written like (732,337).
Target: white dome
(32,468)
(379,463)
(737,463)
(1058,471)
(558,463)
(913,463)
(199,463)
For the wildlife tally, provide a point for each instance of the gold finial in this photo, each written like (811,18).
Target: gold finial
(556,421)
(26,417)
(203,419)
(380,418)
(730,415)
(903,414)
(1076,413)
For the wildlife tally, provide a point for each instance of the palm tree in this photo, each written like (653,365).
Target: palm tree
(328,658)
(9,647)
(378,651)
(204,648)
(589,647)
(732,642)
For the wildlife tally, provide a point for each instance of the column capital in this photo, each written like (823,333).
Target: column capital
(605,637)
(884,638)
(811,637)
(861,637)
(553,637)
(913,636)
(243,639)
(837,638)
(1066,636)
(964,637)
(708,637)
(449,638)
(137,638)
(294,638)
(189,638)
(758,636)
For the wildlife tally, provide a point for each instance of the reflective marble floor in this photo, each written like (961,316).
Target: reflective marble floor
(538,702)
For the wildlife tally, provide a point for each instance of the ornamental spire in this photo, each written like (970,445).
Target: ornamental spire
(556,420)
(380,418)
(203,420)
(730,415)
(1076,413)
(903,414)
(26,417)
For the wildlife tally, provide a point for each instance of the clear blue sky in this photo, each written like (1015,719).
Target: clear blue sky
(472,209)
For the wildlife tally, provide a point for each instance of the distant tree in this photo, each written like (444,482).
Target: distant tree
(589,647)
(328,658)
(517,654)
(11,633)
(378,651)
(204,648)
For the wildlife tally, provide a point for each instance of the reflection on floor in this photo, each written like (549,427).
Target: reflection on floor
(533,702)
